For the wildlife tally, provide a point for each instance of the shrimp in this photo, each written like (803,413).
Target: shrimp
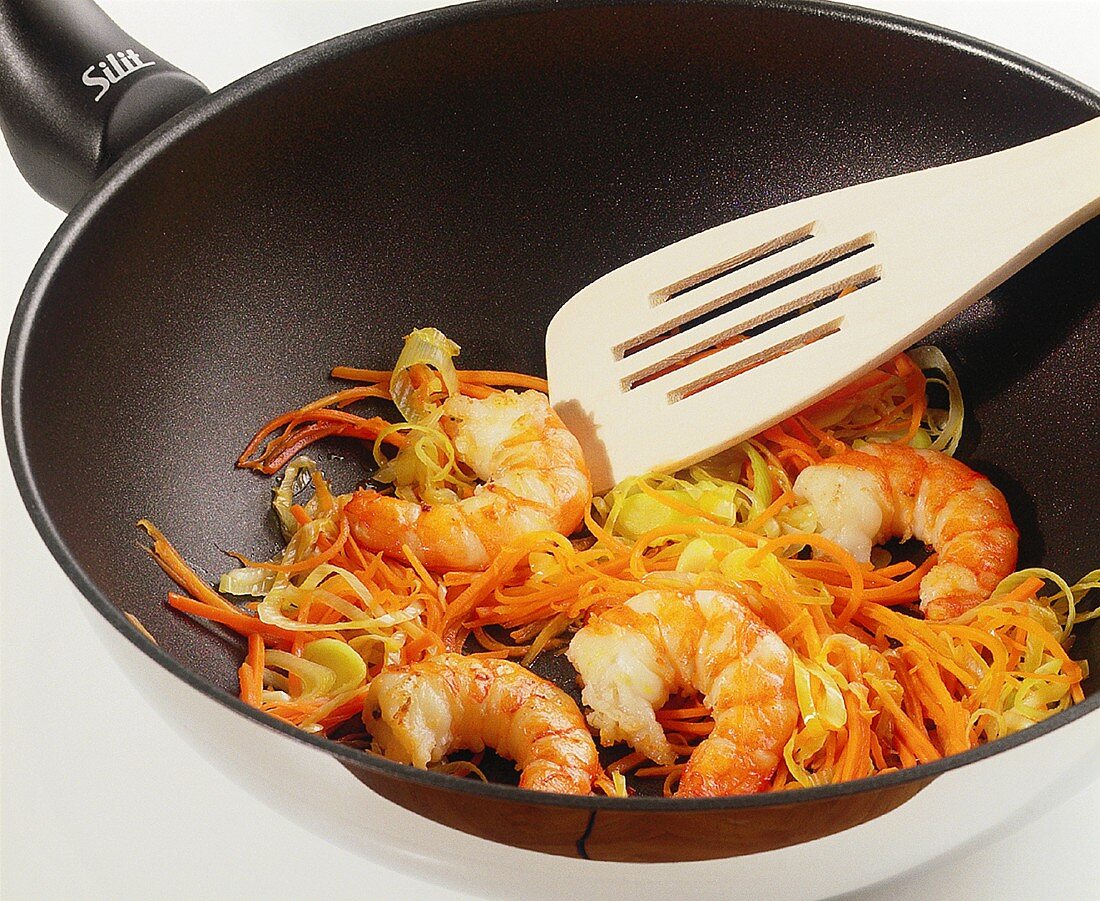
(632,657)
(534,474)
(418,713)
(864,497)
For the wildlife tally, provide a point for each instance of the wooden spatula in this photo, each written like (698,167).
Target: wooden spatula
(699,345)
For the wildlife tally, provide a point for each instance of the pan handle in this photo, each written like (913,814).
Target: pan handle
(76,92)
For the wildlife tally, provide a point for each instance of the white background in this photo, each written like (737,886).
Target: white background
(90,812)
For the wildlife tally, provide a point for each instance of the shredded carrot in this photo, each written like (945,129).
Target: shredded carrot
(497,379)
(252,671)
(911,690)
(1026,589)
(489,377)
(169,559)
(238,622)
(682,713)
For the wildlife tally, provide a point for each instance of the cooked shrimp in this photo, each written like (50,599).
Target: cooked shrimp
(535,479)
(632,657)
(420,712)
(886,491)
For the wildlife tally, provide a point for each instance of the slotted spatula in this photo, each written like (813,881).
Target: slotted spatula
(690,349)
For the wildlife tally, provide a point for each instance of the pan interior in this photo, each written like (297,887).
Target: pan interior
(473,177)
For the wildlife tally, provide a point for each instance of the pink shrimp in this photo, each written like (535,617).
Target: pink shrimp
(882,491)
(420,712)
(632,657)
(535,479)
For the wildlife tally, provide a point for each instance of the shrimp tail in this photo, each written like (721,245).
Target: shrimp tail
(722,766)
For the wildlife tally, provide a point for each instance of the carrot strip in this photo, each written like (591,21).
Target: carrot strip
(627,762)
(689,728)
(238,622)
(1022,592)
(478,590)
(353,374)
(169,559)
(496,378)
(251,672)
(245,678)
(487,377)
(682,713)
(921,747)
(769,512)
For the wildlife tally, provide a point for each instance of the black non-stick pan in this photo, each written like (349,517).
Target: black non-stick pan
(471,169)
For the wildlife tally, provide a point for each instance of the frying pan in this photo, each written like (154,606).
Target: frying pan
(471,168)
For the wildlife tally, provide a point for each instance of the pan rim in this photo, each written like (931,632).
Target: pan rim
(195,116)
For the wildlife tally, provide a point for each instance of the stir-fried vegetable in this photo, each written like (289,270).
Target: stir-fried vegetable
(424,374)
(877,687)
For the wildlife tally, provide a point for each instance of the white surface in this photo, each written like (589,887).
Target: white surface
(88,813)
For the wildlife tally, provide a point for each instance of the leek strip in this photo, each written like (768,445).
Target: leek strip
(294,478)
(316,679)
(947,424)
(428,347)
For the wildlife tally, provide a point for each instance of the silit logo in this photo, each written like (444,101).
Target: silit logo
(115,67)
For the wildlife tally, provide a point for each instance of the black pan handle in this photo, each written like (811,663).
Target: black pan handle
(76,91)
